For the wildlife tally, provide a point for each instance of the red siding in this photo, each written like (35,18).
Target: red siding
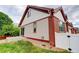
(51,31)
(56,24)
(37,39)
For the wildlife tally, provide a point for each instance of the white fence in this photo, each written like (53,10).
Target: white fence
(64,41)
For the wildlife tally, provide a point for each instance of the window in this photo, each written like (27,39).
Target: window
(61,27)
(29,13)
(22,31)
(34,27)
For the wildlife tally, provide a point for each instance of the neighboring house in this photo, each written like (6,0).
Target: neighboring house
(71,29)
(41,23)
(76,30)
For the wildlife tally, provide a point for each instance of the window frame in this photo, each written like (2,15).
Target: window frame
(62,28)
(34,27)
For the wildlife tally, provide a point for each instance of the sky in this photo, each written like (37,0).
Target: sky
(16,11)
(72,12)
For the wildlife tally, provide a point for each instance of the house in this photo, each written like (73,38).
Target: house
(75,29)
(41,23)
(70,28)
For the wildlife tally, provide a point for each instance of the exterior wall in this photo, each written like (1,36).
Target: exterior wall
(56,22)
(70,29)
(59,16)
(42,30)
(61,19)
(35,15)
(65,27)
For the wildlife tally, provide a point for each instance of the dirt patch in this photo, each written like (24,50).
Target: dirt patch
(43,45)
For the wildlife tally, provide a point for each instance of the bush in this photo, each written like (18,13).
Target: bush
(10,30)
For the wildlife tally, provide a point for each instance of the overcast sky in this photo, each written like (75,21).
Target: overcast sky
(16,11)
(73,14)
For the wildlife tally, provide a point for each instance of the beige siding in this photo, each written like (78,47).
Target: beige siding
(35,15)
(42,30)
(59,16)
(69,29)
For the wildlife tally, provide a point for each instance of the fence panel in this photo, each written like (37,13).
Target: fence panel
(67,41)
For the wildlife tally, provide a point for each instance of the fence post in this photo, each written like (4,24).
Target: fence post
(69,43)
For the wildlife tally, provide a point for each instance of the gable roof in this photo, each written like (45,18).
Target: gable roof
(70,24)
(42,9)
(62,12)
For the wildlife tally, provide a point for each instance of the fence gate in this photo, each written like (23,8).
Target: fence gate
(67,41)
(74,43)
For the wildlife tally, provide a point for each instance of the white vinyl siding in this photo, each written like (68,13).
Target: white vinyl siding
(35,15)
(59,16)
(42,30)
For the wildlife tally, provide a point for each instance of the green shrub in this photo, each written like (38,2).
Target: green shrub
(10,30)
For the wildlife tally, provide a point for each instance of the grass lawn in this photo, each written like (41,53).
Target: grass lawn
(23,47)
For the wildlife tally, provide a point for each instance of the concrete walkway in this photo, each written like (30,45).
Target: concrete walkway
(10,39)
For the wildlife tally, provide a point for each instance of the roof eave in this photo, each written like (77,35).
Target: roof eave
(42,9)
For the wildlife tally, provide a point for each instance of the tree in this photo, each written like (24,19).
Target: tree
(4,20)
(7,27)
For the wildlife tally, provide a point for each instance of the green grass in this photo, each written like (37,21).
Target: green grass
(24,47)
